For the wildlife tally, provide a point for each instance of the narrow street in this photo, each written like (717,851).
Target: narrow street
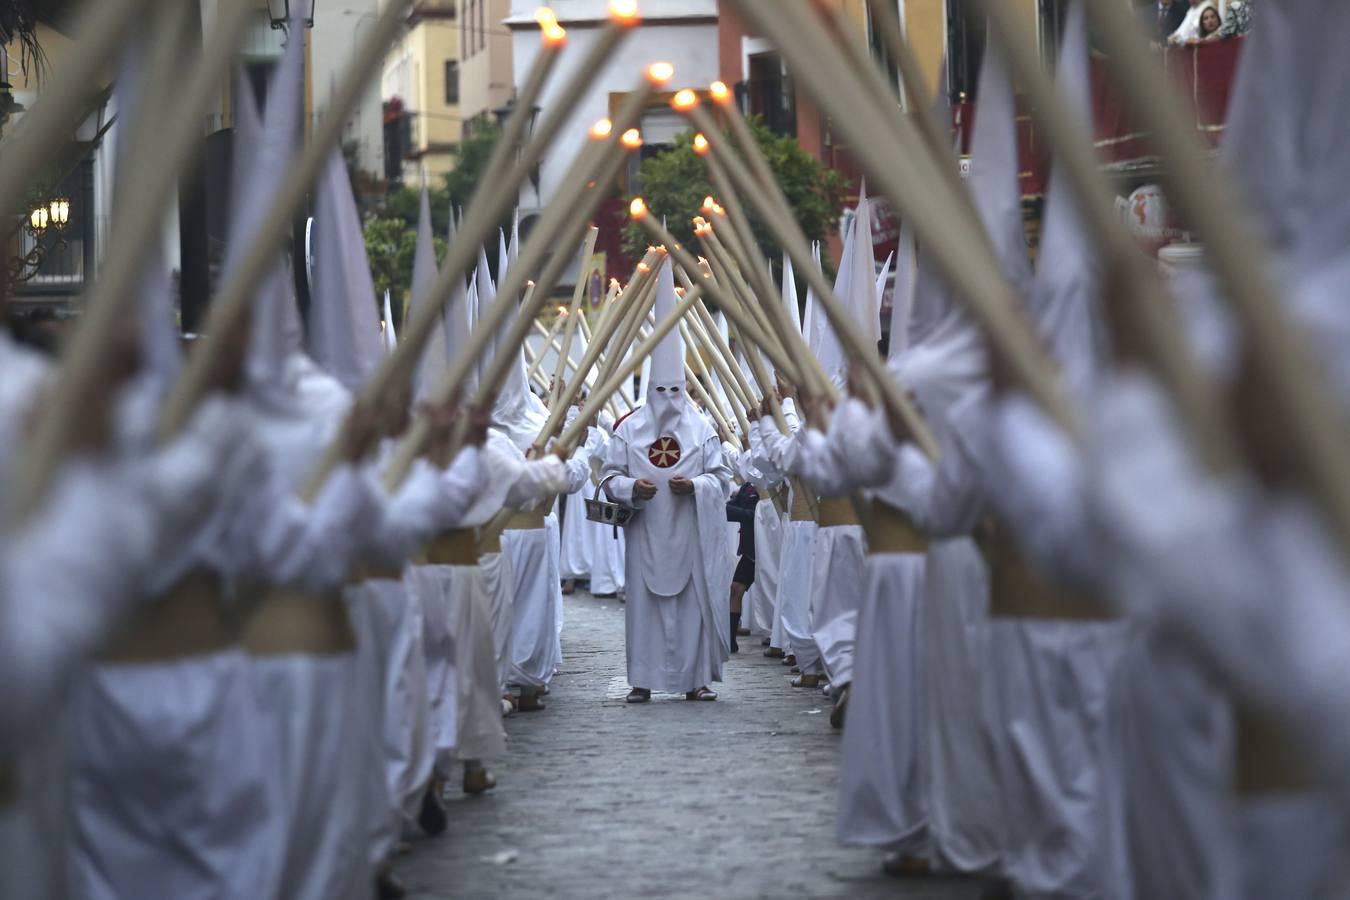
(599,799)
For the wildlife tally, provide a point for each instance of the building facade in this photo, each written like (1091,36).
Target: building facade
(338,26)
(680,32)
(420,94)
(486,76)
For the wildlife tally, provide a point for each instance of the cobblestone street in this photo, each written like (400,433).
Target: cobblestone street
(599,799)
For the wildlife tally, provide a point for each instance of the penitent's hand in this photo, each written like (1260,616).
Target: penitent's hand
(643,490)
(681,486)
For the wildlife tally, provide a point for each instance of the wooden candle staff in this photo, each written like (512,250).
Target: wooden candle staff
(235,299)
(722,296)
(138,221)
(920,192)
(488,207)
(567,441)
(850,337)
(69,94)
(1318,434)
(1154,314)
(574,310)
(565,216)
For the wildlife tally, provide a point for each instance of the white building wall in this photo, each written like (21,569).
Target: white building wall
(339,25)
(691,47)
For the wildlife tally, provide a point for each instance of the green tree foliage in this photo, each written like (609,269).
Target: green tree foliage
(390,247)
(391,233)
(675,182)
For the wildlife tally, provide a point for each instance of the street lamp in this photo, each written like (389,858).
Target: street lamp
(280,12)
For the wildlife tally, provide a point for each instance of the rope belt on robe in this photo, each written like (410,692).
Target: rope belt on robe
(837,512)
(457,547)
(891,530)
(1019,591)
(532,520)
(188,620)
(802,509)
(289,620)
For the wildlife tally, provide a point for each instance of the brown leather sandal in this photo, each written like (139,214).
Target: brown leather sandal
(639,695)
(530,702)
(478,780)
(806,681)
(704,693)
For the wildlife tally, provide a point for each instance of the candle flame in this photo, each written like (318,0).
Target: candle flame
(562,311)
(548,23)
(643,267)
(709,202)
(624,12)
(700,144)
(659,73)
(679,291)
(718,210)
(638,208)
(684,100)
(632,139)
(602,129)
(719,91)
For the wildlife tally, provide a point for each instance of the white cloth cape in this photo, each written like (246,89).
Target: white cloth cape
(679,567)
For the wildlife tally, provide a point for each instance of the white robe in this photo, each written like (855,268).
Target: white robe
(758,605)
(388,622)
(881,771)
(67,579)
(196,727)
(536,644)
(323,759)
(679,575)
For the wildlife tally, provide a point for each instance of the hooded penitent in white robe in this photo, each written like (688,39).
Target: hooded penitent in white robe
(679,572)
(70,578)
(837,584)
(575,560)
(881,797)
(755,468)
(796,572)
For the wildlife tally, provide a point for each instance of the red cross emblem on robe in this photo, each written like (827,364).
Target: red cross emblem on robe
(664,452)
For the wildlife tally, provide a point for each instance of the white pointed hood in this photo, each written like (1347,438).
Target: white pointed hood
(664,397)
(162,358)
(902,298)
(344,330)
(994,181)
(855,286)
(261,164)
(1066,294)
(790,293)
(390,336)
(516,410)
(436,355)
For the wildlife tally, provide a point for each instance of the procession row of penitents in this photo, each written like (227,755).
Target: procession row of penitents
(1069,557)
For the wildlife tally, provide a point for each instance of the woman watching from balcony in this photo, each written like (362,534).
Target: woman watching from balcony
(1189,30)
(1210,25)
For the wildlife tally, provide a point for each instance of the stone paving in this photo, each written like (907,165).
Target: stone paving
(598,799)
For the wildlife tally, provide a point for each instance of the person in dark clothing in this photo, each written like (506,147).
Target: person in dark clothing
(1162,17)
(741,509)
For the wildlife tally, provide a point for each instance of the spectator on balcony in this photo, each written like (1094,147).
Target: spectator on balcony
(1188,31)
(1163,17)
(1237,19)
(1211,26)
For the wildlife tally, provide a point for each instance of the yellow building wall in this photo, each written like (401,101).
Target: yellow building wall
(438,128)
(485,76)
(926,31)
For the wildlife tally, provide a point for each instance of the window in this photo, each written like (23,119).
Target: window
(965,48)
(452,82)
(769,94)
